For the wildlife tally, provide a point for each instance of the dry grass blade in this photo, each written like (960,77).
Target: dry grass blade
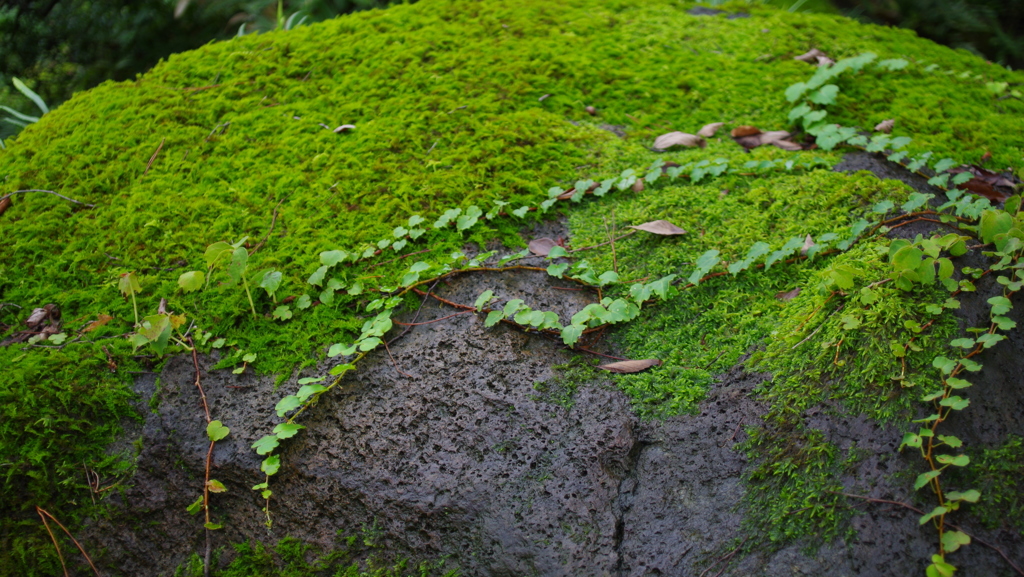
(787,295)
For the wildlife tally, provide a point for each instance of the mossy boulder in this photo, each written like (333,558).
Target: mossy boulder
(332,157)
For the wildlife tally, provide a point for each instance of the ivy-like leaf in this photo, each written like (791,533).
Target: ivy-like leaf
(287,430)
(216,431)
(266,444)
(191,281)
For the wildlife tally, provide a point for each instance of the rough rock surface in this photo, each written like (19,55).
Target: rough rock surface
(444,448)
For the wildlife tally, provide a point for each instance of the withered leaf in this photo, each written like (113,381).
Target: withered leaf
(37,317)
(678,139)
(5,203)
(744,130)
(787,145)
(748,142)
(630,366)
(787,295)
(709,130)
(541,246)
(885,126)
(662,227)
(811,56)
(808,243)
(99,322)
(772,136)
(591,110)
(992,185)
(638,186)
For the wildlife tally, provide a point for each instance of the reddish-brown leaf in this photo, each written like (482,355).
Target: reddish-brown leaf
(709,130)
(992,185)
(678,139)
(541,246)
(638,186)
(788,295)
(99,322)
(744,130)
(662,227)
(630,366)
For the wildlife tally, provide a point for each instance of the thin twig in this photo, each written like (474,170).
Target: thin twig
(195,362)
(42,512)
(611,241)
(273,220)
(152,158)
(47,192)
(394,362)
(54,539)
(632,232)
(401,257)
(431,322)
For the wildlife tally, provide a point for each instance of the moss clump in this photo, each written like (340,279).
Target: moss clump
(447,99)
(290,557)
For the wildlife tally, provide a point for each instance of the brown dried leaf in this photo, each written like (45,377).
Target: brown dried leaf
(748,142)
(591,110)
(744,130)
(885,126)
(825,61)
(99,322)
(808,243)
(811,56)
(788,295)
(630,366)
(5,203)
(678,139)
(662,227)
(541,246)
(992,185)
(638,186)
(787,145)
(771,136)
(37,317)
(709,130)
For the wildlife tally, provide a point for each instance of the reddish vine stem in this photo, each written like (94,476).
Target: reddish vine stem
(920,512)
(401,257)
(209,458)
(41,512)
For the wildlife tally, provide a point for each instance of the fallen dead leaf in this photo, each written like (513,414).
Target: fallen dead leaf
(885,126)
(811,56)
(5,203)
(709,130)
(984,158)
(787,145)
(808,243)
(788,295)
(630,366)
(662,227)
(591,110)
(992,185)
(638,186)
(541,246)
(748,142)
(678,139)
(744,130)
(99,322)
(773,135)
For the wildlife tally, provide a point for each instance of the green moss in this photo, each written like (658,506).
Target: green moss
(446,97)
(998,473)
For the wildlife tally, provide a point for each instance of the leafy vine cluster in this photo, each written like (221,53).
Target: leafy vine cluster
(914,263)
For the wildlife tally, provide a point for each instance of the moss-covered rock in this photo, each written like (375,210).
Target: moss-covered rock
(460,105)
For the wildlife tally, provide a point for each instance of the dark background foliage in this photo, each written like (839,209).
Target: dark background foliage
(59,47)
